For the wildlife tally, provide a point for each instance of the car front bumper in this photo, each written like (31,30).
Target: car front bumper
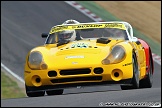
(96,74)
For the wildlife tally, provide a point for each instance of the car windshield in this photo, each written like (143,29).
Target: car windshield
(86,31)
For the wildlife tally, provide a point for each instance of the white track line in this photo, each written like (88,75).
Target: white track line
(12,73)
(91,15)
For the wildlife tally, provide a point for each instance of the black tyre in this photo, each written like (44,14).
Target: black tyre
(33,93)
(55,92)
(135,79)
(147,82)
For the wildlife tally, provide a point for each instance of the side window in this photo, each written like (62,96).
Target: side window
(51,39)
(129,32)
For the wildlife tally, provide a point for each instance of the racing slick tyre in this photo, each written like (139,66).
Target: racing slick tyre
(135,79)
(147,82)
(34,93)
(55,92)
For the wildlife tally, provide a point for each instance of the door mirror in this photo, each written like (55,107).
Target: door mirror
(44,35)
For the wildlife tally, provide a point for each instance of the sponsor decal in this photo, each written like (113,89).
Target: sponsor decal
(84,26)
(74,62)
(113,25)
(58,28)
(71,57)
(127,64)
(90,26)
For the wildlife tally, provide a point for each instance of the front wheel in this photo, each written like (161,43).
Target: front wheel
(135,79)
(33,93)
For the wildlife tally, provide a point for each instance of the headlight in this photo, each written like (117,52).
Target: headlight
(116,55)
(35,61)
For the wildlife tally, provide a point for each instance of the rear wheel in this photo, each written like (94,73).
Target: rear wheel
(135,79)
(35,93)
(55,92)
(147,82)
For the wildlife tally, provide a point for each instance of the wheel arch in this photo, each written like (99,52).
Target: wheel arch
(148,54)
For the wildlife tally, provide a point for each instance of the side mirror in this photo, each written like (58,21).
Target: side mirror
(44,35)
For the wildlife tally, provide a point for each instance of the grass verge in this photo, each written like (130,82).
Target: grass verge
(10,88)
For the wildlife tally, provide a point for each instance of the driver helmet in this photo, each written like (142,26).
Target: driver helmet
(69,34)
(71,21)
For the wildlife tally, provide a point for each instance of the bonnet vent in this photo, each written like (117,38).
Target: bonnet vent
(103,40)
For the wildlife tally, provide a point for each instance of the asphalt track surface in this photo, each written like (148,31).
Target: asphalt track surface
(22,23)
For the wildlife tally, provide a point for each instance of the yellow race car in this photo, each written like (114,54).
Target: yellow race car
(85,54)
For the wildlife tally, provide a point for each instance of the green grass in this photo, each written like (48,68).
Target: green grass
(9,88)
(107,16)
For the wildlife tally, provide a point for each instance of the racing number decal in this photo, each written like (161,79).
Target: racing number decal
(79,45)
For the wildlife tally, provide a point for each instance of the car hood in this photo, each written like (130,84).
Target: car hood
(79,53)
